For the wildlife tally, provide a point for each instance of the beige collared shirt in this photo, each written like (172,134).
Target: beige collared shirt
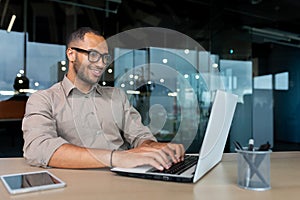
(102,119)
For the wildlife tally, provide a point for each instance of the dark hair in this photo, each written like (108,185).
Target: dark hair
(21,83)
(79,34)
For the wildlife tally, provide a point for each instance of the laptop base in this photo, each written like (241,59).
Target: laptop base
(157,177)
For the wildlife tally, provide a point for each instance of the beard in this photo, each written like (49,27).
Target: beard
(82,73)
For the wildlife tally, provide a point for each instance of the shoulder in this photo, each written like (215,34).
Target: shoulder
(46,95)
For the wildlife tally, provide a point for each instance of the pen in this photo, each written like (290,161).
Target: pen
(237,145)
(251,165)
(251,145)
(249,171)
(259,159)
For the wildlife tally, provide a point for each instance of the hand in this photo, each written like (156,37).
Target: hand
(150,153)
(174,151)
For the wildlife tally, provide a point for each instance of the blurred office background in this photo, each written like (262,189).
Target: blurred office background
(253,43)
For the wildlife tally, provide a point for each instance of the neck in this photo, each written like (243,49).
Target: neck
(80,85)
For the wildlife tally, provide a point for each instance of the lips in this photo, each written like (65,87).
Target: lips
(96,72)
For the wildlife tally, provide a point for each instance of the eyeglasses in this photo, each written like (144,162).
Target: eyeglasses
(94,56)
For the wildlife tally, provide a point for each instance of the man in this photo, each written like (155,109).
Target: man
(78,124)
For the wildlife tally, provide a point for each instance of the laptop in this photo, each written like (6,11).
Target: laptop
(195,166)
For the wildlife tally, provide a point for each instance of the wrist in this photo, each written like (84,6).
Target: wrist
(147,143)
(111,163)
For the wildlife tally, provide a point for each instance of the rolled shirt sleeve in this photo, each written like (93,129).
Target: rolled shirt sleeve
(39,131)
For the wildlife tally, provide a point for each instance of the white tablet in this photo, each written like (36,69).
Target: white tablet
(31,181)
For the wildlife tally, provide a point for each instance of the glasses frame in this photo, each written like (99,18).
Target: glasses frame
(94,51)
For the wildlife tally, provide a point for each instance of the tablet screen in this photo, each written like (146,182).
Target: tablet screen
(32,181)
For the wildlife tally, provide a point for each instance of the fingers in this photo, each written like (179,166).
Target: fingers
(179,151)
(156,159)
(155,164)
(159,155)
(161,158)
(175,151)
(168,150)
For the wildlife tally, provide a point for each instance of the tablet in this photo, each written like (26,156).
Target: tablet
(31,181)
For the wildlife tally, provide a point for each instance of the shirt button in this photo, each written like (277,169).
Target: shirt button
(98,132)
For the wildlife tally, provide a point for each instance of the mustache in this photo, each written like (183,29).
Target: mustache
(93,67)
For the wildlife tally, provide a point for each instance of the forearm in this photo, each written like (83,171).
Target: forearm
(71,156)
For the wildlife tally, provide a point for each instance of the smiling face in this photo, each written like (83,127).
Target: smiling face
(82,72)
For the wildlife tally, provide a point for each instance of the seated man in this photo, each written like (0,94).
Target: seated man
(79,124)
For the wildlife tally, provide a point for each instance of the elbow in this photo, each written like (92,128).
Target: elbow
(33,159)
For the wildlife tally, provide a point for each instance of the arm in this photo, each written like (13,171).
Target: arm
(39,130)
(44,147)
(70,156)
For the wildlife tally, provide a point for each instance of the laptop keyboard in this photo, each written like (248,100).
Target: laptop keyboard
(180,167)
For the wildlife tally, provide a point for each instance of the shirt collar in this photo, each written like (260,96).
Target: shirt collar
(69,86)
(98,88)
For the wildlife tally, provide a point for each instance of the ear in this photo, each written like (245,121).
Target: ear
(70,54)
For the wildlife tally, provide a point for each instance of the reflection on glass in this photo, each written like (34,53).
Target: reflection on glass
(173,97)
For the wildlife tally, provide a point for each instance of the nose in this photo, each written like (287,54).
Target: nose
(100,64)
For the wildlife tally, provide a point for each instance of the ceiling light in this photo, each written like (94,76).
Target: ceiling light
(214,65)
(11,23)
(132,92)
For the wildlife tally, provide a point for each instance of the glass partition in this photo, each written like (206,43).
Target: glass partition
(44,64)
(171,94)
(11,62)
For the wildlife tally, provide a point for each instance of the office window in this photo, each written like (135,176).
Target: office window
(282,81)
(42,64)
(263,82)
(237,76)
(11,62)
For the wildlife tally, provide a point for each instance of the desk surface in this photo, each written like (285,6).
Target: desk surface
(220,183)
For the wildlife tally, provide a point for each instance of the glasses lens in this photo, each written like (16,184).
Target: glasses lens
(94,56)
(106,59)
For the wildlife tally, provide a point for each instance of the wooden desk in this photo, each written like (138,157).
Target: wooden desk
(220,183)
